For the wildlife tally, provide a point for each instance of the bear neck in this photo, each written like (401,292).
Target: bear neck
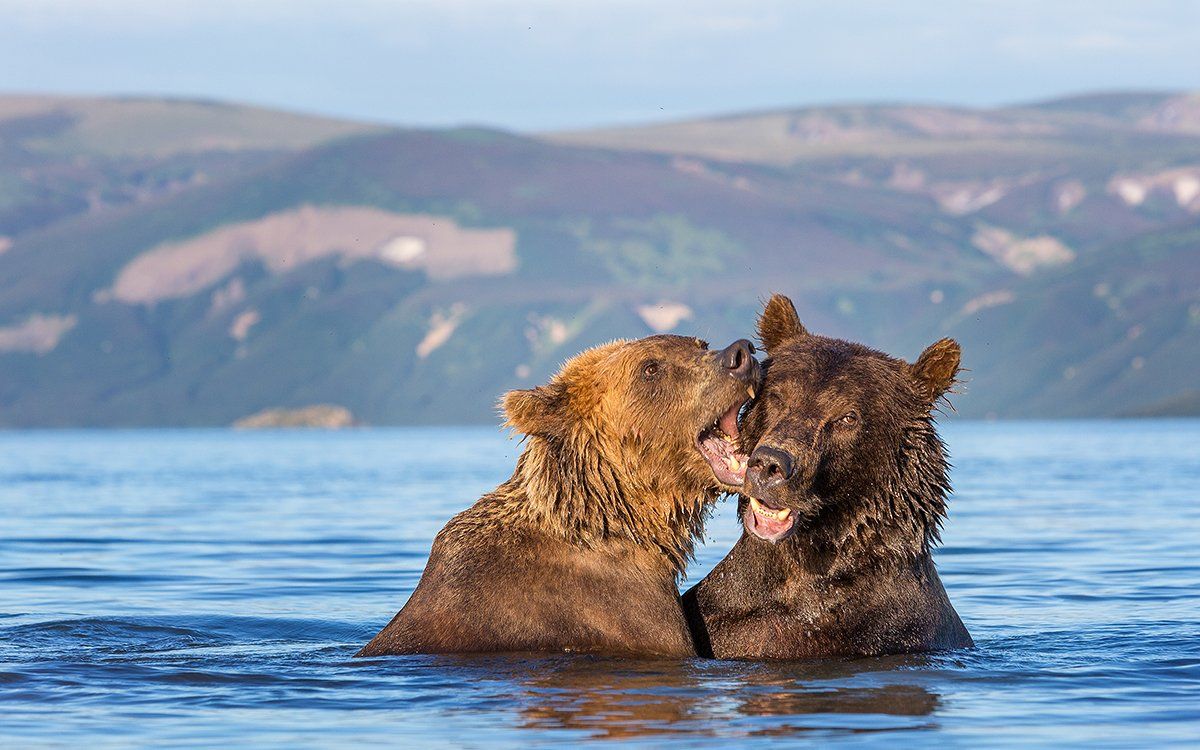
(896,522)
(575,492)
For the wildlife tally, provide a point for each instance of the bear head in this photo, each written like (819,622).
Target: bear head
(845,448)
(634,434)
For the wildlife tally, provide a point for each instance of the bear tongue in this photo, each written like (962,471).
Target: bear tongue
(728,422)
(767,523)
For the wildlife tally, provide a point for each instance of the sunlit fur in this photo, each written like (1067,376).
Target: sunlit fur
(611,460)
(582,547)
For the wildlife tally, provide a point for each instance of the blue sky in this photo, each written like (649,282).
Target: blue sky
(549,64)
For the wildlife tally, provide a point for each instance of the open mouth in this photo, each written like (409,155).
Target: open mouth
(766,522)
(718,443)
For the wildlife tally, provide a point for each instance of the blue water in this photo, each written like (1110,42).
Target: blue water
(206,587)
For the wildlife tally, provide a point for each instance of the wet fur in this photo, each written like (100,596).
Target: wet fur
(856,577)
(581,549)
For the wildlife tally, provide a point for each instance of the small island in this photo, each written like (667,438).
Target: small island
(317,416)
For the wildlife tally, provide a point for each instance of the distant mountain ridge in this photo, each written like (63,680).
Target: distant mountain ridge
(193,263)
(786,136)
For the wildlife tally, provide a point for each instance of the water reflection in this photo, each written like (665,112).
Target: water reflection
(611,699)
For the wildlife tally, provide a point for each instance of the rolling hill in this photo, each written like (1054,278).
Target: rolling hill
(193,263)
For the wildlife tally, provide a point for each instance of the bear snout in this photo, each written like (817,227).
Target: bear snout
(738,360)
(768,469)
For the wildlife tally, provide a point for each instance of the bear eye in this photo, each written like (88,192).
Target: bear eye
(650,369)
(849,420)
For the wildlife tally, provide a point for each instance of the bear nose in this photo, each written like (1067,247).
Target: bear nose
(738,358)
(767,468)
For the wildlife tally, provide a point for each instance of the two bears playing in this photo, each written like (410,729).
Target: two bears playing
(842,480)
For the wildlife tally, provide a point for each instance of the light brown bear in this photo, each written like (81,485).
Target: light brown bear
(581,549)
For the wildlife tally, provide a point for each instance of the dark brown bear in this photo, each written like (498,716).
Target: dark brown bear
(581,549)
(844,496)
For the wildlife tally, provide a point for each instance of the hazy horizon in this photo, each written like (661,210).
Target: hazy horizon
(183,98)
(538,66)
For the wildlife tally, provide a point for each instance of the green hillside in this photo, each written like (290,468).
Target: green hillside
(190,263)
(159,128)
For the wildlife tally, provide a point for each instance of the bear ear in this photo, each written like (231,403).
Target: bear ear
(536,411)
(779,322)
(934,370)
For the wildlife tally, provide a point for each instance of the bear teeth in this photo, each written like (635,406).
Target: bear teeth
(765,512)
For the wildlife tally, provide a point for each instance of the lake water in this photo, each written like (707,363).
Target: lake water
(198,588)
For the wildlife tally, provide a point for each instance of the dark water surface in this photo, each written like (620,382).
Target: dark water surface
(204,588)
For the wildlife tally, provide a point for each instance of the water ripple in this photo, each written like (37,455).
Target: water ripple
(205,588)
